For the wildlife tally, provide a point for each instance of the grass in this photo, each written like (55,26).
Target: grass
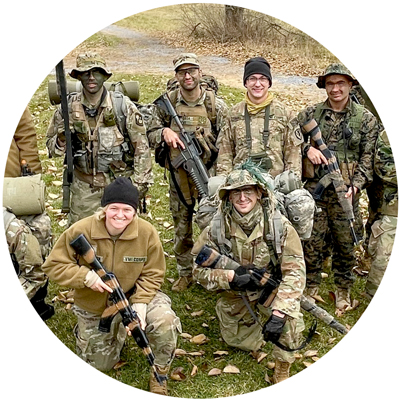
(135,371)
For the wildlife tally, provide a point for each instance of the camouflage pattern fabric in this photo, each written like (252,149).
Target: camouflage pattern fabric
(88,61)
(102,135)
(335,69)
(25,247)
(102,350)
(283,147)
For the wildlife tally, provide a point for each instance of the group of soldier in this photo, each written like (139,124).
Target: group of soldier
(249,242)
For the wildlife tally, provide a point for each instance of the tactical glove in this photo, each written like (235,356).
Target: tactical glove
(243,282)
(273,328)
(210,140)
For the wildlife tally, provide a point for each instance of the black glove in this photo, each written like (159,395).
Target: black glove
(273,328)
(239,282)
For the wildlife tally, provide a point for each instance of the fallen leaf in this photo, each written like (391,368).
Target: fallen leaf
(52,169)
(231,369)
(298,356)
(149,215)
(199,339)
(214,372)
(315,359)
(307,364)
(267,379)
(180,352)
(63,223)
(270,365)
(310,353)
(57,183)
(261,357)
(119,364)
(53,196)
(197,313)
(166,225)
(186,335)
(324,275)
(318,298)
(188,307)
(196,353)
(331,340)
(220,353)
(177,374)
(194,370)
(204,325)
(171,280)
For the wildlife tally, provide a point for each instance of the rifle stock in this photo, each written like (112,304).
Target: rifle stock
(68,171)
(130,318)
(189,158)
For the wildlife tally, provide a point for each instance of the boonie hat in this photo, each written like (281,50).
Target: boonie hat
(86,62)
(185,58)
(335,69)
(237,179)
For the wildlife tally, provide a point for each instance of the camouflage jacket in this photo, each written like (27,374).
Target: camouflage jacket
(385,170)
(253,249)
(25,249)
(360,146)
(283,146)
(126,153)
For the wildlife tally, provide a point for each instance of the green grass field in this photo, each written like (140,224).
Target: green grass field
(195,300)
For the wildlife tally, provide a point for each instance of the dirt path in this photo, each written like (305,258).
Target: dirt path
(139,53)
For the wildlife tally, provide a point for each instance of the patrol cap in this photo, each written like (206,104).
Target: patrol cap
(335,69)
(237,179)
(86,62)
(185,58)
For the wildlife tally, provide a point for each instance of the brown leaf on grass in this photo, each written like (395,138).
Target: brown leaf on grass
(231,369)
(177,374)
(186,335)
(317,297)
(57,183)
(270,365)
(315,359)
(297,356)
(267,378)
(196,353)
(197,313)
(220,353)
(261,356)
(171,280)
(180,352)
(188,307)
(310,353)
(199,339)
(204,325)
(331,340)
(324,275)
(119,364)
(307,364)
(194,371)
(214,372)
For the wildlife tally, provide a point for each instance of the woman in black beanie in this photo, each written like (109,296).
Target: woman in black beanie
(129,247)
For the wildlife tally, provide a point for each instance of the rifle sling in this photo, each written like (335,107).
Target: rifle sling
(266,127)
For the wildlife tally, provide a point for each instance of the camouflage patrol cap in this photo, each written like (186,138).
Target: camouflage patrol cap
(237,179)
(185,58)
(86,62)
(335,69)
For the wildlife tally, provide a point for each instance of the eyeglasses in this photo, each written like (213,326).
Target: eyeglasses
(247,192)
(182,72)
(252,79)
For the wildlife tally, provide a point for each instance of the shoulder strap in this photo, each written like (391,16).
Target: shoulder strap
(356,118)
(211,108)
(119,107)
(266,127)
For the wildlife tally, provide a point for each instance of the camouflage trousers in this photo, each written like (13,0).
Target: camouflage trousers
(102,350)
(239,329)
(183,229)
(330,221)
(85,200)
(380,248)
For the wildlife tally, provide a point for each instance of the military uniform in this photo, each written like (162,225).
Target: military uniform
(384,228)
(102,147)
(280,148)
(351,135)
(138,262)
(249,247)
(193,116)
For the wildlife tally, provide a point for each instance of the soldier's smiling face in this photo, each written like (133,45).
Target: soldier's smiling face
(257,86)
(118,217)
(92,80)
(337,88)
(188,76)
(245,198)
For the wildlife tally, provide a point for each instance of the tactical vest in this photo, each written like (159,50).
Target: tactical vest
(110,150)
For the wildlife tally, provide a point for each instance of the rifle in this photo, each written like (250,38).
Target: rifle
(210,258)
(189,158)
(68,171)
(333,176)
(130,318)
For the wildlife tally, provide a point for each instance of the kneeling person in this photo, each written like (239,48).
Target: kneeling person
(248,229)
(130,248)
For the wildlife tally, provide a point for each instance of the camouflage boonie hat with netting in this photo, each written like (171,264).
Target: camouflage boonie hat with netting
(186,58)
(335,69)
(86,62)
(237,179)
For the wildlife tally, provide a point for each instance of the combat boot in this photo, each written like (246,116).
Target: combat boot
(155,387)
(182,283)
(281,371)
(343,300)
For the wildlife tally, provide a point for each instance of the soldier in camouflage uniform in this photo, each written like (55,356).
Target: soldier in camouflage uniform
(260,127)
(202,112)
(26,256)
(350,131)
(384,228)
(129,247)
(103,146)
(246,218)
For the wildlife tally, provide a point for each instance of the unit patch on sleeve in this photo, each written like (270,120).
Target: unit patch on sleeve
(138,119)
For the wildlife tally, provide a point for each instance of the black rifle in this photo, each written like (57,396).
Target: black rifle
(130,318)
(210,258)
(68,171)
(189,158)
(333,176)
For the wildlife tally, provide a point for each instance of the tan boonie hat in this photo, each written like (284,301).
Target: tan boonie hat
(335,69)
(236,179)
(186,58)
(88,61)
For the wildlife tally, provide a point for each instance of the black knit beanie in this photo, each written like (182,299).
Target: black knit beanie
(122,191)
(257,65)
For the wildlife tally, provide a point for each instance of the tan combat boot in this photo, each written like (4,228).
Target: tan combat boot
(281,371)
(155,387)
(182,284)
(343,301)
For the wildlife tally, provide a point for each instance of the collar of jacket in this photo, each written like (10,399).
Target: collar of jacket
(98,230)
(105,103)
(200,100)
